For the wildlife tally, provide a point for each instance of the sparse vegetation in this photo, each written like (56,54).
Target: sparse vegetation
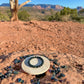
(66,14)
(23,15)
(29,13)
(3,17)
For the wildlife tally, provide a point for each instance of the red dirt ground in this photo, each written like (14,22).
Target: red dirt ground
(42,37)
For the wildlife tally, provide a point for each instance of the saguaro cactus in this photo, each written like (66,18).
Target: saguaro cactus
(14,7)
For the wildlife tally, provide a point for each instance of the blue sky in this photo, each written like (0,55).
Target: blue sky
(66,3)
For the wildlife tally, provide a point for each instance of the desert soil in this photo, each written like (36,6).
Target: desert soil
(64,39)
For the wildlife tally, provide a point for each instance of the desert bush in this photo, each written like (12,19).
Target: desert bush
(66,18)
(9,13)
(43,11)
(3,17)
(68,11)
(81,11)
(58,16)
(64,11)
(78,18)
(65,14)
(51,18)
(23,15)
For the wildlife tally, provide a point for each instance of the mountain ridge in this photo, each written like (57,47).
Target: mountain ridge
(43,6)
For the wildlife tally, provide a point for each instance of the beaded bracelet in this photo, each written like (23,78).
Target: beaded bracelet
(35,66)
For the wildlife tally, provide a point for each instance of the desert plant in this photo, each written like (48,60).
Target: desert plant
(14,8)
(65,14)
(64,11)
(51,18)
(78,18)
(65,18)
(9,13)
(57,16)
(4,17)
(23,15)
(43,11)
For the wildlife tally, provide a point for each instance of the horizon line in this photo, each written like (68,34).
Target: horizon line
(45,4)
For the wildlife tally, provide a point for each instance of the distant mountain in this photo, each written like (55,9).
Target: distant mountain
(44,6)
(39,6)
(79,8)
(5,4)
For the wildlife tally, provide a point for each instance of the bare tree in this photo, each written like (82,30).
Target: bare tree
(14,7)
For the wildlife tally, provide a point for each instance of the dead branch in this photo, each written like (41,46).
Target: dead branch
(24,4)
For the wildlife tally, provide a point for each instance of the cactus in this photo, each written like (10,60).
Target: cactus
(14,7)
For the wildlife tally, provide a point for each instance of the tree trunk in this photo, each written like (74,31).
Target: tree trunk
(14,8)
(14,15)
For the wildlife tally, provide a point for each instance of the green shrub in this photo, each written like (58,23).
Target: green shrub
(78,18)
(64,11)
(4,17)
(43,11)
(9,13)
(51,18)
(58,16)
(66,18)
(65,14)
(23,15)
(81,11)
(68,11)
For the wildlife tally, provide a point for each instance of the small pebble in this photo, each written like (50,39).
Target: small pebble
(21,57)
(8,75)
(53,77)
(55,62)
(1,74)
(5,76)
(61,75)
(15,72)
(25,57)
(64,53)
(63,66)
(2,78)
(51,71)
(10,72)
(56,72)
(31,81)
(61,81)
(58,69)
(22,81)
(6,68)
(19,80)
(17,61)
(38,81)
(9,67)
(51,59)
(53,66)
